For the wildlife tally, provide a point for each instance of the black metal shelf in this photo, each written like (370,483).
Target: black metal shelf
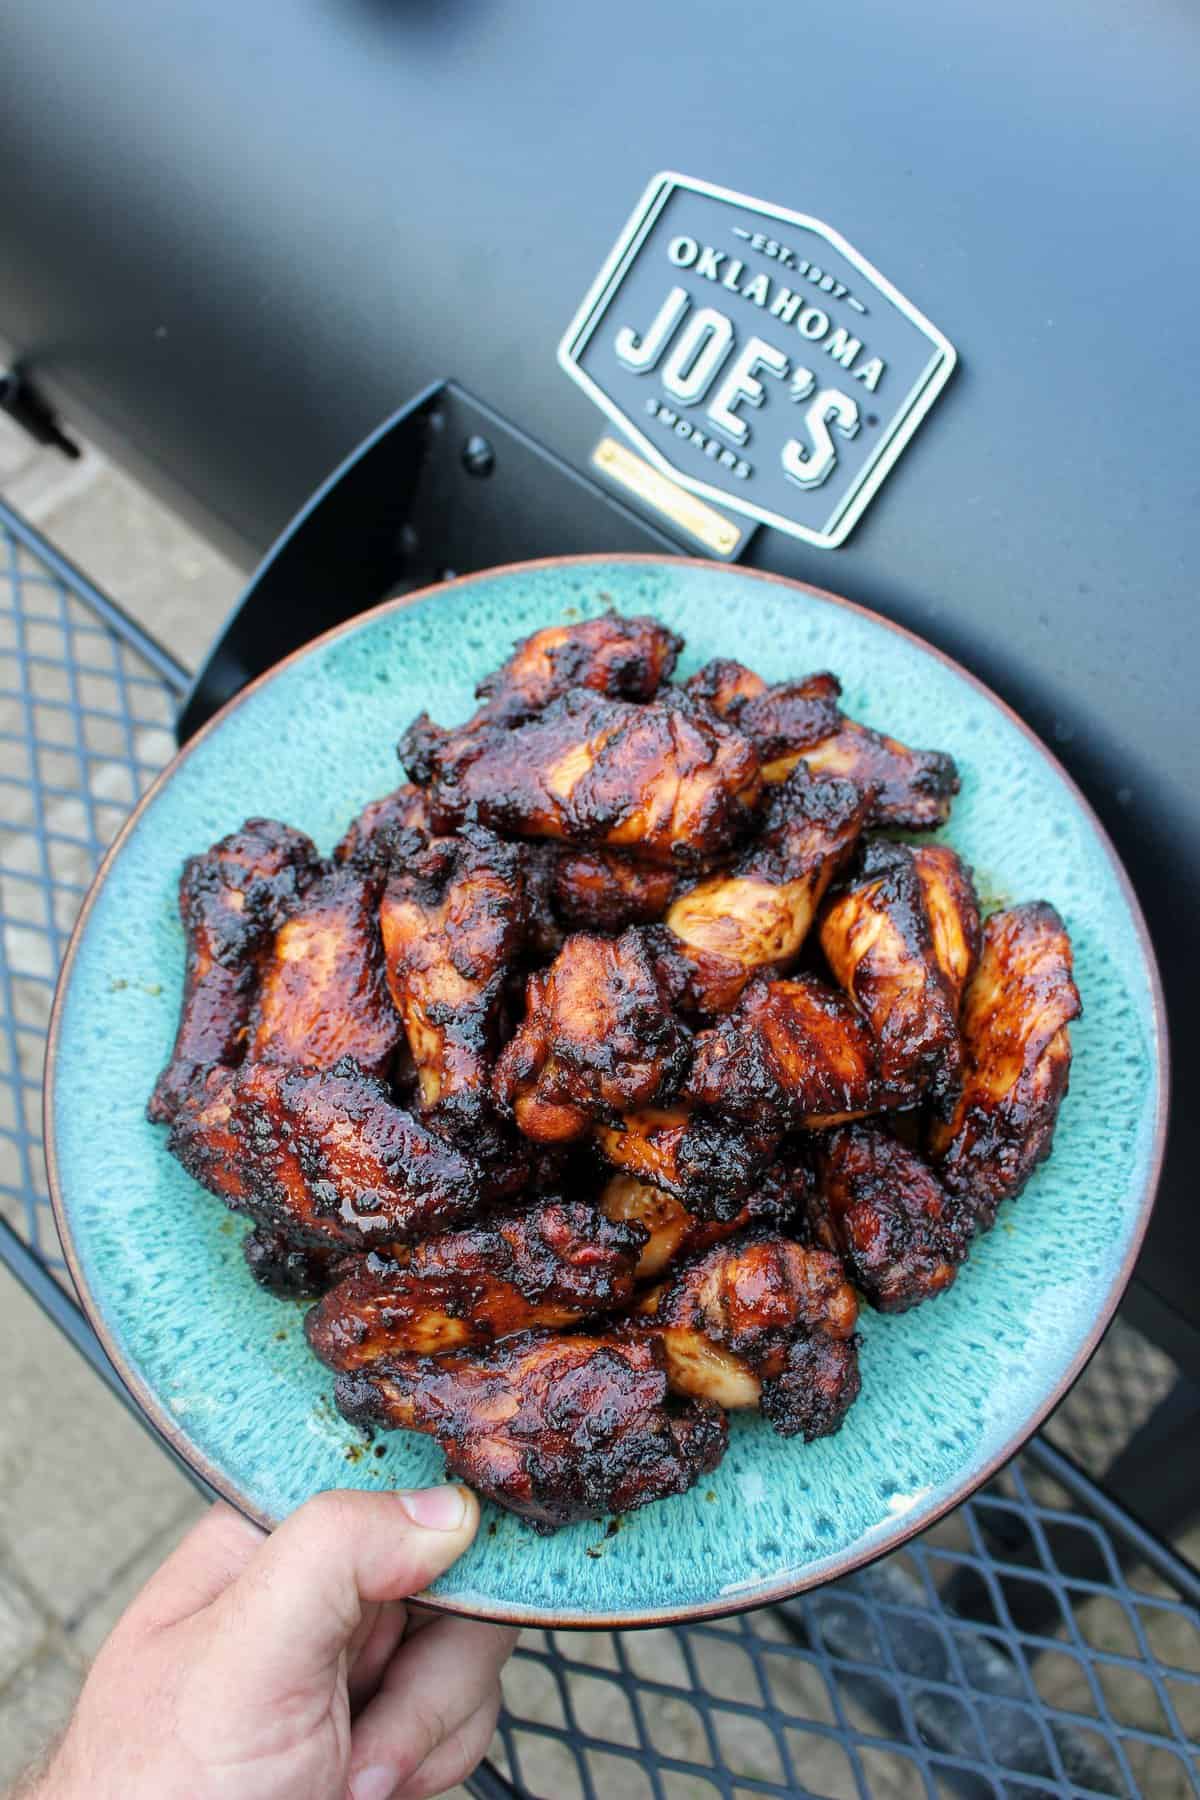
(1040,1641)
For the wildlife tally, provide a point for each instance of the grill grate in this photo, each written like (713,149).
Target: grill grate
(1034,1643)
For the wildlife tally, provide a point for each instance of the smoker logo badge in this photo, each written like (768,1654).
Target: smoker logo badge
(755,356)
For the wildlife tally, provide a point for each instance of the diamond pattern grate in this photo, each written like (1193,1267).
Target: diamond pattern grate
(1031,1644)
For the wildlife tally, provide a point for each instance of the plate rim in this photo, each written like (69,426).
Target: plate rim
(885,1539)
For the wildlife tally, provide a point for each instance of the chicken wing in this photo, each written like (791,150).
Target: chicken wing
(369,840)
(453,918)
(901,1237)
(598,1039)
(673,1234)
(952,909)
(323,993)
(232,900)
(730,927)
(711,1164)
(796,721)
(553,1428)
(550,1265)
(602,890)
(325,1157)
(912,788)
(1016,1012)
(781,720)
(668,780)
(877,939)
(291,1269)
(626,659)
(760,1321)
(791,1054)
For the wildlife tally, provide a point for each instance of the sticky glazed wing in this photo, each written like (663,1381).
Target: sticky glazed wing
(325,1157)
(289,1268)
(370,838)
(796,721)
(782,720)
(762,1322)
(602,890)
(627,659)
(792,1054)
(673,1234)
(598,1039)
(913,788)
(231,901)
(1016,1013)
(323,993)
(554,1428)
(453,919)
(901,1237)
(552,1264)
(587,890)
(710,1163)
(952,909)
(730,927)
(668,780)
(878,941)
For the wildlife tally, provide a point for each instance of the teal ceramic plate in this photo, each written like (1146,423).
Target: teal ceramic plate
(949,1391)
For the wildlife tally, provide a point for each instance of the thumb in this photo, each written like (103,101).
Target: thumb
(287,1618)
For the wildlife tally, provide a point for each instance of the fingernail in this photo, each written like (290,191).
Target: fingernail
(436,1509)
(375,1783)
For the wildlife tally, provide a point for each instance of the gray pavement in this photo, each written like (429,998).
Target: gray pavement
(89,1505)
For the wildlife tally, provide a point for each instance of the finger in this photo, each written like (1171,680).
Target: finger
(419,1617)
(368,1660)
(454,1760)
(215,1552)
(289,1617)
(431,1687)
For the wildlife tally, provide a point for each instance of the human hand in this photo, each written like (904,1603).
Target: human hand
(289,1667)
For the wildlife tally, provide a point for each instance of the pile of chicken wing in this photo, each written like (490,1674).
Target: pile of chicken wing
(611,1063)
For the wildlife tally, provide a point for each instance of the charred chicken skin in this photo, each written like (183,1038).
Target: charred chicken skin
(634,944)
(728,928)
(551,1265)
(798,721)
(901,1237)
(1015,1018)
(323,993)
(710,1163)
(878,940)
(612,657)
(602,890)
(289,1268)
(370,839)
(232,900)
(674,1235)
(668,781)
(324,1156)
(792,1054)
(554,1428)
(453,919)
(952,909)
(627,659)
(760,1321)
(598,1039)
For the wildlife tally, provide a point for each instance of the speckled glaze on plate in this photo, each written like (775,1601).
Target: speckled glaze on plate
(949,1390)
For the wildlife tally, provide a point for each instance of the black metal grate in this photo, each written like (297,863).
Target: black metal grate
(1035,1643)
(1004,1653)
(85,725)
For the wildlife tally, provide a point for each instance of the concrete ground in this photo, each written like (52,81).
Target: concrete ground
(89,1505)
